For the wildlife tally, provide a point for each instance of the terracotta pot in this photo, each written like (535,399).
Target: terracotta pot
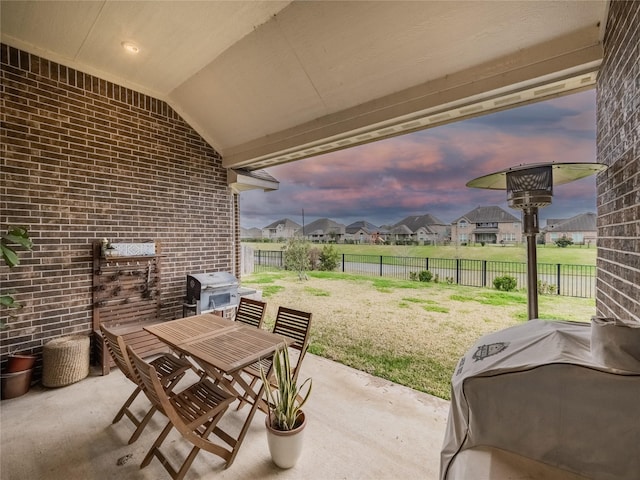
(285,446)
(19,362)
(16,384)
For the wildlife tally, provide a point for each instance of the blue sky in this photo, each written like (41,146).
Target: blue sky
(426,172)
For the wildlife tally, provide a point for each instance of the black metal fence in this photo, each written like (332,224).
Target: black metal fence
(558,279)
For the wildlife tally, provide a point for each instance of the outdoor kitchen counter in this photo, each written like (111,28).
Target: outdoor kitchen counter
(536,391)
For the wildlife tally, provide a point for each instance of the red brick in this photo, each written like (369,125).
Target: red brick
(88,159)
(618,138)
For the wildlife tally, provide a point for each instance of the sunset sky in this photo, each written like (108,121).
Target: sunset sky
(426,172)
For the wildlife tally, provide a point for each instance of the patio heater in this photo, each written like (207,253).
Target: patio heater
(530,187)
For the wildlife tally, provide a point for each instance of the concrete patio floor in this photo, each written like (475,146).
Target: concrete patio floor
(359,427)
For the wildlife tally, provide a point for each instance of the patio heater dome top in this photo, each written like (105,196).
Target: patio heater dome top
(530,186)
(561,173)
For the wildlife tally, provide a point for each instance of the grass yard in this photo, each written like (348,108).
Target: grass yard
(573,255)
(411,333)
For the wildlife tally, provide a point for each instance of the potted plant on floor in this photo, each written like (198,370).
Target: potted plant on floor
(285,419)
(16,379)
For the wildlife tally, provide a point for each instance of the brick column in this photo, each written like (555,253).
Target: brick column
(618,123)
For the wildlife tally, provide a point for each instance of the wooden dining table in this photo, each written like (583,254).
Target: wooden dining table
(222,348)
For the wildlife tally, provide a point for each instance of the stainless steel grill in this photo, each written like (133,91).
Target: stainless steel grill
(211,291)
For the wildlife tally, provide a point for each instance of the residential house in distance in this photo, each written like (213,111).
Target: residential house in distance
(490,224)
(250,233)
(422,229)
(323,230)
(579,228)
(362,232)
(400,235)
(280,230)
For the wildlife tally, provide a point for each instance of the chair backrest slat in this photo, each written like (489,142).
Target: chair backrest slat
(251,312)
(145,374)
(297,325)
(293,324)
(118,351)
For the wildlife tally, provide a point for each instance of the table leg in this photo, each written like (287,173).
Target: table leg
(257,398)
(257,401)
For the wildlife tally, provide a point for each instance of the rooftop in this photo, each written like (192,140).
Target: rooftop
(491,213)
(578,223)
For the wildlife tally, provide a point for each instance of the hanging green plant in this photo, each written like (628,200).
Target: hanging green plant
(10,242)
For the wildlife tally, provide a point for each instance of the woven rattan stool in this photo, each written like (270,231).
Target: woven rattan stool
(65,360)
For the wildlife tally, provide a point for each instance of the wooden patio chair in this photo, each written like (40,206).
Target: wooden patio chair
(251,312)
(194,412)
(169,368)
(291,323)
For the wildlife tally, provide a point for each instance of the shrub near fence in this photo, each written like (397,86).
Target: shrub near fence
(559,279)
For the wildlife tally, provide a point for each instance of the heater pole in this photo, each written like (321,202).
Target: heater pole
(530,215)
(532,278)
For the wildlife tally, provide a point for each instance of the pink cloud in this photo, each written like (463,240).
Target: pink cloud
(427,171)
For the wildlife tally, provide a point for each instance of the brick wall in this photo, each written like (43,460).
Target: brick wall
(618,104)
(83,159)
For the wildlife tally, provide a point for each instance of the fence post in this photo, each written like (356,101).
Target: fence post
(259,257)
(457,271)
(426,263)
(558,278)
(380,265)
(484,273)
(343,263)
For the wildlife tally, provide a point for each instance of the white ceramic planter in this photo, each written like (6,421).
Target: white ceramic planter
(285,447)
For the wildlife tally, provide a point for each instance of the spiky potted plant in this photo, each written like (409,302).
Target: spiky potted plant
(285,419)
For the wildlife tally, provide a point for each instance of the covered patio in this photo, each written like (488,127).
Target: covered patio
(360,427)
(98,143)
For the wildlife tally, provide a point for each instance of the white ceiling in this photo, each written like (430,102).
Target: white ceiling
(265,82)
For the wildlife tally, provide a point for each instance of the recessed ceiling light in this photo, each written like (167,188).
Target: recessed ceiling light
(130,47)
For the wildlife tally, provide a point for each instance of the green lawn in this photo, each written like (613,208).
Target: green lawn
(409,332)
(573,255)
